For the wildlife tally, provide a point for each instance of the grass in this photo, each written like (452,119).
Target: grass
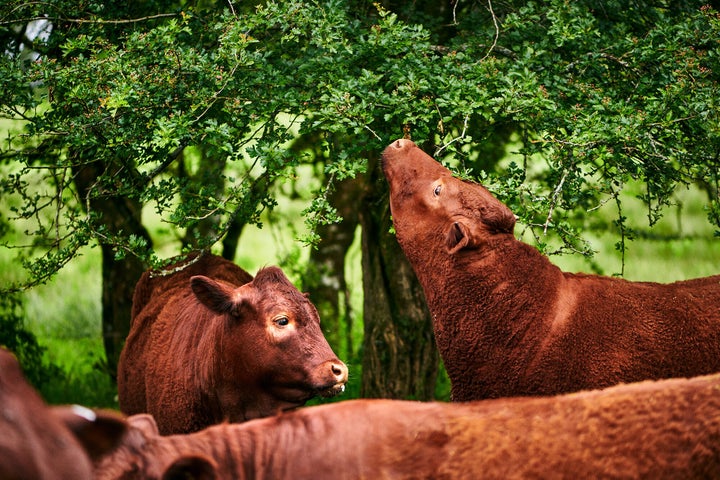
(84,380)
(65,316)
(680,246)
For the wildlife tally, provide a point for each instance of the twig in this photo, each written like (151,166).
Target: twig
(497,31)
(553,201)
(621,225)
(460,137)
(232,9)
(164,272)
(372,131)
(216,95)
(599,205)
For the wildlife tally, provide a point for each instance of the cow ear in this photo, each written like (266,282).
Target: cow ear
(214,295)
(191,466)
(458,237)
(145,423)
(98,431)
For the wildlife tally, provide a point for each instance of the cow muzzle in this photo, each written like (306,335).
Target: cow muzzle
(339,377)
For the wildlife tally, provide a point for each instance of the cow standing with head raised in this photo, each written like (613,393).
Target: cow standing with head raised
(508,322)
(210,343)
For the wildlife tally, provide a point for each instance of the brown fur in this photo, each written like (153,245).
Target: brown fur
(508,322)
(662,429)
(42,442)
(205,346)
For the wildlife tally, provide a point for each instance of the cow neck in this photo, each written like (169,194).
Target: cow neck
(487,293)
(225,444)
(258,449)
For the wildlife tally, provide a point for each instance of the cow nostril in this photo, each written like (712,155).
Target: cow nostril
(403,144)
(340,371)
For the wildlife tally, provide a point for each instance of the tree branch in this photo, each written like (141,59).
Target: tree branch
(88,21)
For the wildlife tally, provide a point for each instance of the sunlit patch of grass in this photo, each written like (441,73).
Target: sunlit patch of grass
(84,380)
(65,316)
(652,260)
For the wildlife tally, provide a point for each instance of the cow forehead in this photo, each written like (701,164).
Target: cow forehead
(297,305)
(423,171)
(272,277)
(277,300)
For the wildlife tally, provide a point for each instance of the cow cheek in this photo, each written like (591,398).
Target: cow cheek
(267,353)
(297,354)
(241,358)
(291,349)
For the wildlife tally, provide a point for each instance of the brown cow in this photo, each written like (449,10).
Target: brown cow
(210,343)
(662,429)
(42,442)
(508,322)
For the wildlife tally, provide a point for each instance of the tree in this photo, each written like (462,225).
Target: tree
(399,357)
(192,112)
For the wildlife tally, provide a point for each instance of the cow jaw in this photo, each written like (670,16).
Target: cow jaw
(325,379)
(336,389)
(300,394)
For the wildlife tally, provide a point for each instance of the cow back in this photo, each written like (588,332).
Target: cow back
(154,292)
(663,429)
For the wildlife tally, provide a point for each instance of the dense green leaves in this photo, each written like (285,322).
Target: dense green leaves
(194,111)
(625,102)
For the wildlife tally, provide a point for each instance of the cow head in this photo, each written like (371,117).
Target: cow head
(431,207)
(144,454)
(272,354)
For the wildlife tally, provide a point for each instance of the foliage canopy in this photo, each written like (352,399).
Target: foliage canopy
(599,94)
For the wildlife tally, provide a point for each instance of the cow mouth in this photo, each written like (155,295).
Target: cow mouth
(333,391)
(298,395)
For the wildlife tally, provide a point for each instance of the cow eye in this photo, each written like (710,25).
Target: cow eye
(282,321)
(437,190)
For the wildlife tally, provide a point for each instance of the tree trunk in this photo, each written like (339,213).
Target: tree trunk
(325,280)
(119,214)
(230,241)
(206,176)
(400,359)
(118,284)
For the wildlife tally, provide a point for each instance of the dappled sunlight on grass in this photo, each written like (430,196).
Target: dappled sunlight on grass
(85,380)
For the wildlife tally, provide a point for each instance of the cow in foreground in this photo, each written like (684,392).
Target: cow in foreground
(46,443)
(662,429)
(508,322)
(210,343)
